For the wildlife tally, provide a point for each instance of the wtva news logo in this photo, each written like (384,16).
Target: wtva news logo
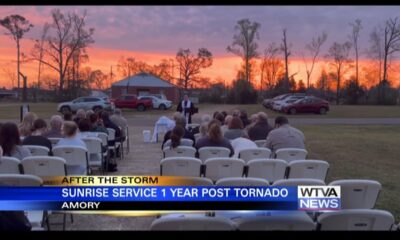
(319,198)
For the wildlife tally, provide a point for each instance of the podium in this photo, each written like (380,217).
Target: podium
(24,109)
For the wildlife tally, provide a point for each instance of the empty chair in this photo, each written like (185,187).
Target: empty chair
(44,166)
(190,222)
(358,194)
(217,168)
(261,143)
(299,182)
(38,150)
(180,166)
(180,151)
(54,141)
(76,158)
(291,154)
(356,220)
(213,152)
(294,221)
(199,181)
(240,181)
(254,153)
(308,169)
(184,142)
(104,138)
(9,165)
(269,169)
(95,152)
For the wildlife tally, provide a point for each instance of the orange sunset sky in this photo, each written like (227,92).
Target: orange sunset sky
(150,34)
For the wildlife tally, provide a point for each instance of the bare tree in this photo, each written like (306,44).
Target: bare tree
(339,54)
(285,48)
(190,65)
(354,36)
(98,79)
(17,26)
(40,43)
(313,51)
(244,43)
(10,74)
(164,70)
(66,36)
(375,52)
(271,66)
(129,66)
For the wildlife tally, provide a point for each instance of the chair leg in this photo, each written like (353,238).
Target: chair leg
(64,221)
(72,218)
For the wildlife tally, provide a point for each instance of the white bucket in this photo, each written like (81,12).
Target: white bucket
(146,135)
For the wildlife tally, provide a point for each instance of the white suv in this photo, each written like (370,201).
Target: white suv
(158,103)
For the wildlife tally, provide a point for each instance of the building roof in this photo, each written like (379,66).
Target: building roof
(143,80)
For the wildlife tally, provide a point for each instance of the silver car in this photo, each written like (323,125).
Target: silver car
(85,103)
(158,103)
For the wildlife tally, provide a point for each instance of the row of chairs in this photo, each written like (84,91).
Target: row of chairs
(343,220)
(269,169)
(204,153)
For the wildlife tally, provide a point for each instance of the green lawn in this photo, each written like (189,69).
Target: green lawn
(360,152)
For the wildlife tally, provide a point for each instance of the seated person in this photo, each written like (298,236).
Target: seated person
(284,136)
(181,121)
(244,118)
(67,116)
(105,117)
(55,128)
(235,129)
(71,138)
(214,138)
(36,138)
(25,127)
(227,121)
(120,121)
(80,114)
(84,129)
(261,128)
(176,135)
(10,142)
(95,125)
(241,143)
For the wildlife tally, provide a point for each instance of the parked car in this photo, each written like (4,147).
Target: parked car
(158,103)
(269,102)
(132,101)
(85,103)
(278,104)
(309,104)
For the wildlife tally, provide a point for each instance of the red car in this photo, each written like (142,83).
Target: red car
(308,104)
(131,101)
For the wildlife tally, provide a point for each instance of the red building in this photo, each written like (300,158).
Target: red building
(145,84)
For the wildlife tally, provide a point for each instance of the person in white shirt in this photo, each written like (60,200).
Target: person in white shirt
(241,143)
(186,107)
(70,131)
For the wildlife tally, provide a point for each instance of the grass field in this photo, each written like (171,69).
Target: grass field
(45,110)
(360,152)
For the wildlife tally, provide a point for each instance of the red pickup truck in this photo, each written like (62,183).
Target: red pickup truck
(131,101)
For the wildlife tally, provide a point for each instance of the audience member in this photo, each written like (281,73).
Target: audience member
(181,122)
(227,121)
(284,136)
(176,135)
(85,129)
(25,127)
(235,129)
(261,128)
(214,138)
(120,121)
(36,138)
(220,118)
(11,143)
(243,117)
(55,127)
(80,114)
(96,126)
(241,143)
(67,116)
(71,138)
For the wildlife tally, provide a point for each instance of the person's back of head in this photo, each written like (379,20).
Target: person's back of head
(69,129)
(181,121)
(281,120)
(214,130)
(118,112)
(25,126)
(84,125)
(80,114)
(203,129)
(254,118)
(220,118)
(224,113)
(176,135)
(68,116)
(93,118)
(56,122)
(243,114)
(39,126)
(105,116)
(215,114)
(88,113)
(206,118)
(9,137)
(235,123)
(262,117)
(236,113)
(176,115)
(228,119)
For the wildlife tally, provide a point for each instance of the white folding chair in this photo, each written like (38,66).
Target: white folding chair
(197,136)
(287,221)
(38,150)
(217,168)
(358,194)
(95,152)
(111,137)
(36,218)
(269,169)
(190,222)
(254,153)
(180,151)
(291,154)
(180,166)
(213,152)
(44,166)
(127,139)
(299,182)
(184,142)
(76,158)
(9,165)
(308,169)
(54,141)
(240,181)
(261,143)
(356,220)
(200,181)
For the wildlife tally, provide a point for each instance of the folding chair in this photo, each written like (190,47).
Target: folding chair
(299,182)
(291,154)
(254,153)
(213,152)
(217,168)
(190,222)
(308,169)
(261,143)
(76,158)
(180,151)
(269,169)
(180,166)
(95,152)
(9,165)
(38,150)
(240,181)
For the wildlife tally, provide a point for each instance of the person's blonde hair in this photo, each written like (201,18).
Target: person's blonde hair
(69,128)
(214,130)
(25,127)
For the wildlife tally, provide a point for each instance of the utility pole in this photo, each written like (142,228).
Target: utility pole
(24,90)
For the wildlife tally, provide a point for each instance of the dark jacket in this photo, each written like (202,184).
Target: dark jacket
(207,142)
(187,135)
(37,141)
(259,131)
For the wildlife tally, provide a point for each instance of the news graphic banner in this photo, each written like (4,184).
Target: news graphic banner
(162,193)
